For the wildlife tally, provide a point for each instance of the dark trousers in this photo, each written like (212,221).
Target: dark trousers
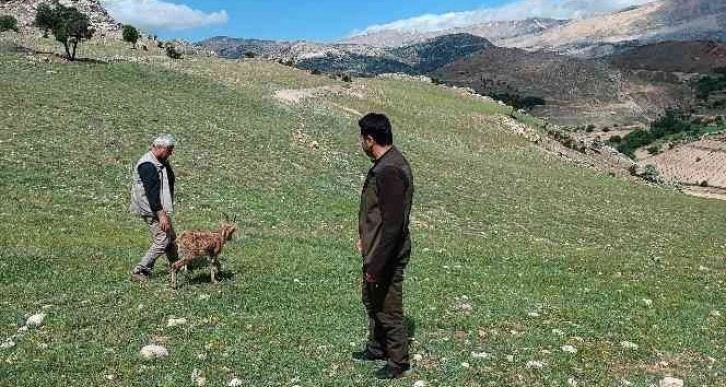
(387,334)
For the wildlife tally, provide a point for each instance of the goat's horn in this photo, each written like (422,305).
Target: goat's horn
(235,218)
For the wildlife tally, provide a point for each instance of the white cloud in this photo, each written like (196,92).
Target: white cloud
(157,14)
(558,9)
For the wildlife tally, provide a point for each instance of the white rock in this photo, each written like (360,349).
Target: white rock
(204,296)
(172,322)
(625,382)
(154,352)
(510,358)
(558,332)
(420,383)
(198,379)
(7,344)
(533,314)
(715,313)
(417,357)
(535,364)
(465,365)
(628,345)
(22,329)
(670,382)
(569,349)
(42,346)
(110,377)
(479,355)
(647,301)
(236,382)
(572,382)
(35,320)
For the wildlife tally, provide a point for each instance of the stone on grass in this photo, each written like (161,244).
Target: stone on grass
(198,379)
(417,357)
(535,364)
(420,383)
(479,355)
(628,345)
(572,382)
(7,344)
(569,349)
(154,352)
(35,320)
(236,382)
(670,382)
(172,322)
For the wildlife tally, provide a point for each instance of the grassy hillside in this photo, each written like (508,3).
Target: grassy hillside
(516,253)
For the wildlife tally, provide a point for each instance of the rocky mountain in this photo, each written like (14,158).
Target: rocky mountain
(232,48)
(673,56)
(417,58)
(24,11)
(595,36)
(658,21)
(495,31)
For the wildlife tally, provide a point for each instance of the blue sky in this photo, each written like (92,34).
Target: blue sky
(330,20)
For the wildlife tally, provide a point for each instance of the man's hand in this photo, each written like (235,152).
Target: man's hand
(359,246)
(370,278)
(164,221)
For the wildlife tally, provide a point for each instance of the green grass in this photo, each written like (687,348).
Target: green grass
(514,229)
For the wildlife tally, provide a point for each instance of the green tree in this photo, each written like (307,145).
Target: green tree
(67,24)
(130,34)
(8,23)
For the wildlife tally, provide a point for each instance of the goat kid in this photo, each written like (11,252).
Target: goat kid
(194,245)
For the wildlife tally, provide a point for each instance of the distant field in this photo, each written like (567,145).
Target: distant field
(516,254)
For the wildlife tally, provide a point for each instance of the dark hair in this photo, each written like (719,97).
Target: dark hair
(377,126)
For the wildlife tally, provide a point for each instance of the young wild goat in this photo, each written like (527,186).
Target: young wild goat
(198,244)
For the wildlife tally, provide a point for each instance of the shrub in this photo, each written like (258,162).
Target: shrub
(315,72)
(650,173)
(130,34)
(8,23)
(172,52)
(68,25)
(704,183)
(615,139)
(346,78)
(250,55)
(653,150)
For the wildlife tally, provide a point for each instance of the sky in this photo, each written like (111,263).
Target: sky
(331,20)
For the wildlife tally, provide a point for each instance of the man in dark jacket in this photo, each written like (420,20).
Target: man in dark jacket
(152,199)
(385,245)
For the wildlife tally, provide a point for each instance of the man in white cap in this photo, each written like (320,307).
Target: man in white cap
(152,199)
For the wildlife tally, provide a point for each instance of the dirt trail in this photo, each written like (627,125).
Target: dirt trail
(296,96)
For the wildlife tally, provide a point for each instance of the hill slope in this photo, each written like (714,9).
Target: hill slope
(517,253)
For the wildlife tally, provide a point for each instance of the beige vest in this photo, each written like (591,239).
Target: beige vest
(139,201)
